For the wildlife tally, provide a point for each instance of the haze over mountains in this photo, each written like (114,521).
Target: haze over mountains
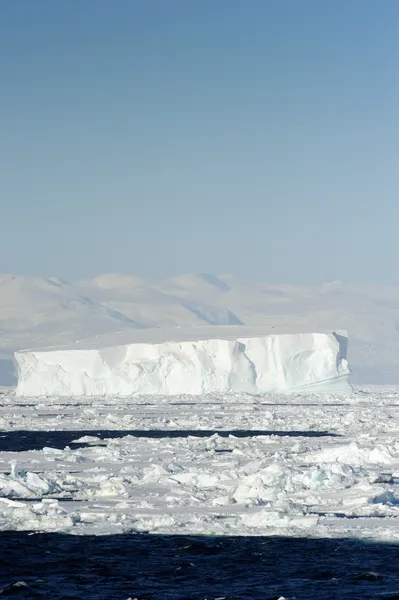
(37,312)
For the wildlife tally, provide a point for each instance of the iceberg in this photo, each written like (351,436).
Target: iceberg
(216,360)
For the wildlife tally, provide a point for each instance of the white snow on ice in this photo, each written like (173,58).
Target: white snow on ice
(308,465)
(254,365)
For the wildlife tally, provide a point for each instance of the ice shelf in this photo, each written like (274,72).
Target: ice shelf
(224,363)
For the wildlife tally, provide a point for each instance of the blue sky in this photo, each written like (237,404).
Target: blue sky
(255,137)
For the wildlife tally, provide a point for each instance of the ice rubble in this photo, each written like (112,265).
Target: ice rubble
(135,484)
(316,466)
(229,363)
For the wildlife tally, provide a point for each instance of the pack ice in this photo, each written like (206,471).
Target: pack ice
(188,362)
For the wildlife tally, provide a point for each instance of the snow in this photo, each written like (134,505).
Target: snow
(253,365)
(321,465)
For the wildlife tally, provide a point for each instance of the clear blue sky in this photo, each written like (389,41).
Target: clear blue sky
(155,137)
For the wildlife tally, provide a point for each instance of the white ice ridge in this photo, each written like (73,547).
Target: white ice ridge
(254,365)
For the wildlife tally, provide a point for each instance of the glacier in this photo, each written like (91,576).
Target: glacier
(190,362)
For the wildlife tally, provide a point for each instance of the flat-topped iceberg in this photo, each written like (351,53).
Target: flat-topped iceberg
(189,362)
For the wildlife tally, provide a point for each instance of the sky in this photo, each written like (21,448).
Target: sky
(153,137)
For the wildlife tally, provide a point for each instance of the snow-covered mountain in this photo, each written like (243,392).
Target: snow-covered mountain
(37,312)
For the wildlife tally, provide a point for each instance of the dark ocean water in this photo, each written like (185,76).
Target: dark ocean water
(149,567)
(21,441)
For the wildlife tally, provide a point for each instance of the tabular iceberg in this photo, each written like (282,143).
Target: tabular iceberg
(255,365)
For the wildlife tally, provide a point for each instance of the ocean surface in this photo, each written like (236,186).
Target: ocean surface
(151,567)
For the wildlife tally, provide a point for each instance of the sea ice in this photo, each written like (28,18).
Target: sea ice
(314,465)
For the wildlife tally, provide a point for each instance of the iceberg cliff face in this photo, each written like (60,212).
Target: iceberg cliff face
(255,365)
